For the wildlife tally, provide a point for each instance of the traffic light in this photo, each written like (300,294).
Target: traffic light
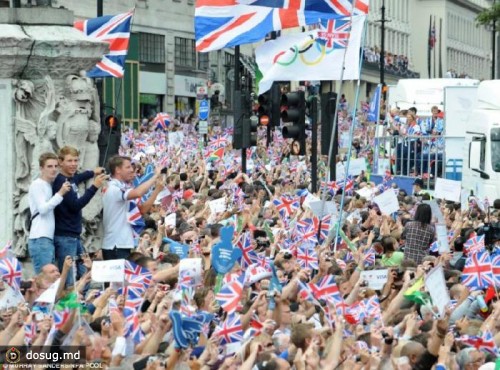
(275,105)
(294,114)
(264,110)
(111,122)
(328,109)
(109,139)
(249,130)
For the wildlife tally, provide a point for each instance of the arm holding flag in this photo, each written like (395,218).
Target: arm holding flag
(142,189)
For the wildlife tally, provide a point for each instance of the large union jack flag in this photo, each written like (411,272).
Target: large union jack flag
(477,272)
(115,30)
(224,23)
(495,266)
(343,7)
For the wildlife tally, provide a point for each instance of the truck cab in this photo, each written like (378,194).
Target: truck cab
(481,170)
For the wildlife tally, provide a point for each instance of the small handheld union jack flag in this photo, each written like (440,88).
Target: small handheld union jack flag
(10,271)
(474,245)
(307,257)
(478,272)
(230,294)
(231,330)
(161,121)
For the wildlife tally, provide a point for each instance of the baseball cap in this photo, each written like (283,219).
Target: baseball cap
(419,182)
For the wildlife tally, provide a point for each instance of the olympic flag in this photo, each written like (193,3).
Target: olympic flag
(314,55)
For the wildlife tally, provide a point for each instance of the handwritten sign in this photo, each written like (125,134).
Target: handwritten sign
(442,238)
(436,285)
(217,205)
(108,271)
(448,189)
(387,202)
(376,279)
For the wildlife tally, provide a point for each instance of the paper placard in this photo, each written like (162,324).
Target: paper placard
(376,279)
(330,208)
(49,296)
(442,238)
(436,211)
(108,271)
(387,202)
(367,192)
(171,220)
(310,198)
(436,286)
(10,297)
(217,205)
(464,200)
(356,166)
(190,271)
(448,189)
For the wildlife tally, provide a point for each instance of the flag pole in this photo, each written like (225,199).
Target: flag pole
(429,48)
(434,39)
(440,46)
(351,134)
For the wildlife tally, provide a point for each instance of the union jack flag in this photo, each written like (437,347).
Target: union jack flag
(248,255)
(286,206)
(134,217)
(230,294)
(372,307)
(305,292)
(138,276)
(162,121)
(231,330)
(347,184)
(485,343)
(113,306)
(307,257)
(307,230)
(115,30)
(60,317)
(29,330)
(434,247)
(331,187)
(355,313)
(335,33)
(140,145)
(218,141)
(342,7)
(474,244)
(324,228)
(495,266)
(477,272)
(10,271)
(326,288)
(369,257)
(224,23)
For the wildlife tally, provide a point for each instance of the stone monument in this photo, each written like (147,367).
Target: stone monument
(46,102)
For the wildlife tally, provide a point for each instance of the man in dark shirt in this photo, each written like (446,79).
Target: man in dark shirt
(68,214)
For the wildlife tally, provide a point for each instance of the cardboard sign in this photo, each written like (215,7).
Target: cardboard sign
(376,279)
(436,286)
(367,192)
(108,271)
(448,189)
(387,202)
(356,166)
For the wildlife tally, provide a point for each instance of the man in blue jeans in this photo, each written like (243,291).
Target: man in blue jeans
(42,204)
(68,214)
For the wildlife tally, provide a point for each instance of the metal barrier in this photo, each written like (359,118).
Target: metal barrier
(414,156)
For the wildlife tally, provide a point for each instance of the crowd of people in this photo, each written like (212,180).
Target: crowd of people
(228,270)
(394,63)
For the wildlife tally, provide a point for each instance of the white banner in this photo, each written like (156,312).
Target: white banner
(314,55)
(108,271)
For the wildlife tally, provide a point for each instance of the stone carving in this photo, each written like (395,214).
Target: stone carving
(41,125)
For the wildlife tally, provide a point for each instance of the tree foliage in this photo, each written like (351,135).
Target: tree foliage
(487,16)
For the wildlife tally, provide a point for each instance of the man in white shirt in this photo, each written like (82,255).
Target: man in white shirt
(118,232)
(42,204)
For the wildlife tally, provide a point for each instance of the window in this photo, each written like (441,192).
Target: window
(229,60)
(151,48)
(203,61)
(185,54)
(477,153)
(495,149)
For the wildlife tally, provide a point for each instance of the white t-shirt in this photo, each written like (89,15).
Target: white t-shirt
(42,202)
(117,230)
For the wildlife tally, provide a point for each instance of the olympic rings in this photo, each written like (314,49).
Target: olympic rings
(314,62)
(318,46)
(295,50)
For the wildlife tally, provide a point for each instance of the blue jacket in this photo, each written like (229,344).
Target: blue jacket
(68,214)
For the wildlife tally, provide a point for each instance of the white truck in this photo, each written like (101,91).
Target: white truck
(481,163)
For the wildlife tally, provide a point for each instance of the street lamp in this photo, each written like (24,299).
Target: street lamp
(382,45)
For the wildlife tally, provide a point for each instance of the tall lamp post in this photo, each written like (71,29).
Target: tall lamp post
(493,45)
(382,21)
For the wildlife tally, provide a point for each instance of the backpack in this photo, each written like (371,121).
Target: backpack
(30,221)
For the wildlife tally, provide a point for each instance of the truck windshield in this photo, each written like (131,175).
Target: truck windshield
(495,149)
